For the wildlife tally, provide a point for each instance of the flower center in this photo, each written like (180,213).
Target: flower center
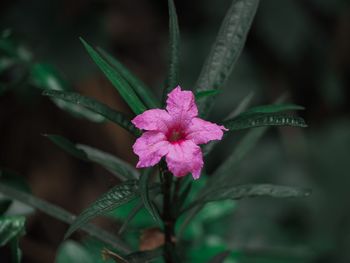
(175,136)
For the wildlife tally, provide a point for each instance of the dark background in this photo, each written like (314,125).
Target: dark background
(294,46)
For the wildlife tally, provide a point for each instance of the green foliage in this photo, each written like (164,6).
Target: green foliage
(253,190)
(147,198)
(118,81)
(60,214)
(226,49)
(115,197)
(116,166)
(205,93)
(174,49)
(95,106)
(11,229)
(71,251)
(137,85)
(46,77)
(273,108)
(253,120)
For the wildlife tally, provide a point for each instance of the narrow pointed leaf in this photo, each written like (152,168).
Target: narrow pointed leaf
(205,93)
(67,145)
(117,196)
(274,108)
(95,106)
(253,190)
(147,197)
(144,256)
(117,80)
(46,77)
(113,164)
(253,120)
(62,215)
(174,48)
(10,228)
(116,166)
(129,218)
(220,258)
(136,84)
(226,49)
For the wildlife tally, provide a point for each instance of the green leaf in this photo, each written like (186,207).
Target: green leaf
(4,205)
(273,108)
(226,50)
(129,217)
(46,77)
(137,85)
(96,107)
(220,258)
(144,256)
(174,48)
(115,197)
(117,80)
(147,197)
(10,228)
(251,190)
(62,215)
(67,145)
(71,251)
(205,93)
(116,166)
(113,164)
(253,120)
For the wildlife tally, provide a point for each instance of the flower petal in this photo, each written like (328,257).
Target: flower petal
(181,105)
(150,148)
(185,157)
(153,120)
(201,131)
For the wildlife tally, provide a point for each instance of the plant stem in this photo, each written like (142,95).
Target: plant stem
(168,218)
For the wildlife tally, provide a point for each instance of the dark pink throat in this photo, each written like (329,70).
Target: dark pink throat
(175,136)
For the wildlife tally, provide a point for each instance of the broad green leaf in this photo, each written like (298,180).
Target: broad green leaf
(226,50)
(138,86)
(273,108)
(46,77)
(67,145)
(112,163)
(10,228)
(251,190)
(62,215)
(71,251)
(116,78)
(205,93)
(95,106)
(116,166)
(174,49)
(253,120)
(115,197)
(147,197)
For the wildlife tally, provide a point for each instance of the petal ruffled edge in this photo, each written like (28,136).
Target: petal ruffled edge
(181,105)
(150,148)
(185,157)
(201,131)
(152,120)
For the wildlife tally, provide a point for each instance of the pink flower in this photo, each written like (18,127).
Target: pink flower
(175,133)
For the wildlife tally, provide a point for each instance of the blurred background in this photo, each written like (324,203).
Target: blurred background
(297,47)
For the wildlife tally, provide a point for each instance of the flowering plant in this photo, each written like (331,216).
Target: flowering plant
(179,134)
